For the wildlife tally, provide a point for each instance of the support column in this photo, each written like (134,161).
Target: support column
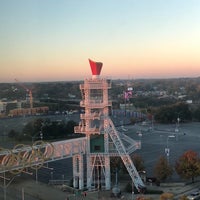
(107,173)
(78,181)
(81,178)
(89,172)
(75,171)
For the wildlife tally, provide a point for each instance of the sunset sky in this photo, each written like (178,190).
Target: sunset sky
(51,40)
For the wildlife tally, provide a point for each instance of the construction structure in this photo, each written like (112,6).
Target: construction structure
(90,154)
(29,95)
(102,138)
(31,110)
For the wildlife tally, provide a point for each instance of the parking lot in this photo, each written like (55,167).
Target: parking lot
(155,142)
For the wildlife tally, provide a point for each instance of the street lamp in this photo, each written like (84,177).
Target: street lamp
(178,120)
(152,126)
(132,195)
(167,150)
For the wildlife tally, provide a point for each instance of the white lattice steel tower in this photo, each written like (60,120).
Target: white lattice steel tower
(103,140)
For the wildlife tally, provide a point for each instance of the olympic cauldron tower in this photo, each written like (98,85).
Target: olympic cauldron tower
(102,138)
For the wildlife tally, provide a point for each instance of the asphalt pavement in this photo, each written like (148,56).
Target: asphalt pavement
(154,142)
(28,189)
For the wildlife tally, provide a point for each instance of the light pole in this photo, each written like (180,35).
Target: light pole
(63,178)
(177,123)
(167,150)
(177,128)
(152,119)
(132,195)
(51,175)
(178,120)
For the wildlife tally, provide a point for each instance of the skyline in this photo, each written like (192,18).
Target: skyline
(52,40)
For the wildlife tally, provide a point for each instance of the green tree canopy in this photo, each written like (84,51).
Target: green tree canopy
(169,114)
(49,129)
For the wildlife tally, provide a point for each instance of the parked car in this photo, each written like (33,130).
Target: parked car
(194,195)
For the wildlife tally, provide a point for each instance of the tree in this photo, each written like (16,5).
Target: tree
(166,196)
(184,197)
(162,169)
(70,126)
(170,113)
(28,129)
(13,134)
(37,125)
(138,162)
(117,164)
(196,114)
(31,129)
(188,165)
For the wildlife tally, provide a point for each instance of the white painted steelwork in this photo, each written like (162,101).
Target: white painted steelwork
(34,156)
(96,122)
(124,155)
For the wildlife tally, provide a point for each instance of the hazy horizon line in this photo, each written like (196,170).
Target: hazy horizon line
(104,77)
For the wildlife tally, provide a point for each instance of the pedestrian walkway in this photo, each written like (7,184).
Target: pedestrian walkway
(186,189)
(41,191)
(38,191)
(177,189)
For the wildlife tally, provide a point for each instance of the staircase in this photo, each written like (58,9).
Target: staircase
(111,130)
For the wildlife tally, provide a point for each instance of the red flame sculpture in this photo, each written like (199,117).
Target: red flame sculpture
(95,67)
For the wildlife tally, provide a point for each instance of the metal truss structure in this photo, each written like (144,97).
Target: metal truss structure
(102,138)
(34,156)
(101,141)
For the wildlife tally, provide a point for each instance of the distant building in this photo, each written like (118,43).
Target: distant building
(2,106)
(28,111)
(127,106)
(189,101)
